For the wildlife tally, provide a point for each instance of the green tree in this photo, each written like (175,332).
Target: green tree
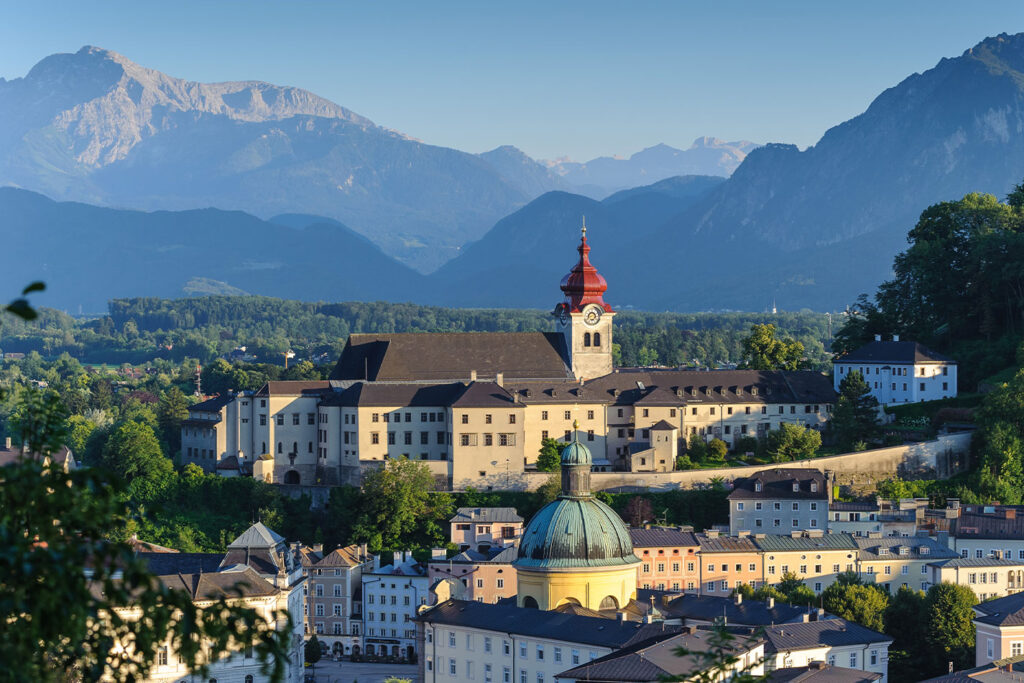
(549,490)
(133,453)
(949,628)
(312,652)
(864,605)
(1000,440)
(401,508)
(39,420)
(697,448)
(762,350)
(903,620)
(793,590)
(792,442)
(170,413)
(549,458)
(855,416)
(80,429)
(717,450)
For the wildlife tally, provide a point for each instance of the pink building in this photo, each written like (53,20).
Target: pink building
(669,559)
(482,528)
(472,575)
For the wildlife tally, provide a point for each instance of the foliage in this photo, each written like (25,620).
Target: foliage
(855,416)
(792,442)
(762,350)
(59,620)
(549,458)
(400,507)
(172,411)
(957,288)
(865,605)
(638,511)
(949,629)
(313,651)
(717,450)
(683,462)
(697,448)
(903,619)
(133,453)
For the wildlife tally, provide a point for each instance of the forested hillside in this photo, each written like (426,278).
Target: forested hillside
(141,329)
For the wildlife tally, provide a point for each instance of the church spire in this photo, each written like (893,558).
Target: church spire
(576,464)
(584,285)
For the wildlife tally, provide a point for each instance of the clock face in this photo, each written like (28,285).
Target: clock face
(592,315)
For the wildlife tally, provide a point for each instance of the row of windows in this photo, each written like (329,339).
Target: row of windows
(310,419)
(488,439)
(397,417)
(407,438)
(813,507)
(1006,554)
(488,646)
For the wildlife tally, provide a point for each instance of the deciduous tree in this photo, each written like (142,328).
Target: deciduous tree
(762,350)
(549,458)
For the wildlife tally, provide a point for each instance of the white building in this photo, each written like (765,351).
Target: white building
(899,371)
(837,642)
(392,595)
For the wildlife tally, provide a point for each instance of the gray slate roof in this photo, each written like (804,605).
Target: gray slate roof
(662,537)
(453,356)
(822,673)
(893,352)
(213,405)
(968,562)
(869,548)
(257,536)
(746,613)
(832,632)
(1006,611)
(534,623)
(481,514)
(807,542)
(777,484)
(183,563)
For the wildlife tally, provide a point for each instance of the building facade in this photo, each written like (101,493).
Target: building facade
(999,629)
(482,528)
(333,595)
(475,407)
(392,594)
(669,559)
(899,371)
(780,501)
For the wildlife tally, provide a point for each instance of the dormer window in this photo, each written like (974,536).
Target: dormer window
(904,550)
(796,486)
(883,551)
(923,550)
(814,487)
(753,391)
(758,486)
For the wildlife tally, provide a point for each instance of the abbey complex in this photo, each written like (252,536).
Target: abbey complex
(476,406)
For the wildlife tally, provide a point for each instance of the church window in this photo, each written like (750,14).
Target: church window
(597,339)
(586,339)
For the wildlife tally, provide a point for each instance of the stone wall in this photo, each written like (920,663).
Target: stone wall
(936,459)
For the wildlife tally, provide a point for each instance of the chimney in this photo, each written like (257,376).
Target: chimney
(771,602)
(878,337)
(816,666)
(396,557)
(620,617)
(472,375)
(318,547)
(499,379)
(1010,513)
(376,562)
(895,337)
(738,598)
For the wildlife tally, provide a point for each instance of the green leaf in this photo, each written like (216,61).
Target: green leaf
(36,286)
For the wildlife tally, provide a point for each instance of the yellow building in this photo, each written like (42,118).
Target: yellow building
(576,551)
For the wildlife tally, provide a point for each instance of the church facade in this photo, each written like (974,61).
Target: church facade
(475,407)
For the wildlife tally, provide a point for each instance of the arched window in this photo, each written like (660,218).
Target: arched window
(530,602)
(586,339)
(597,339)
(248,678)
(609,602)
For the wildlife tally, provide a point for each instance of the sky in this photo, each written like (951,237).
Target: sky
(556,79)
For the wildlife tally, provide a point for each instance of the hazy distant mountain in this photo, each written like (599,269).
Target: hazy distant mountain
(603,176)
(88,255)
(522,259)
(93,126)
(530,177)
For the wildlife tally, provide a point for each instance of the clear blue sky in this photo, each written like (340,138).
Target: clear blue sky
(554,78)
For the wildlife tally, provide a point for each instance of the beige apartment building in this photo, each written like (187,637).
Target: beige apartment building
(816,558)
(895,562)
(475,407)
(333,599)
(728,561)
(989,577)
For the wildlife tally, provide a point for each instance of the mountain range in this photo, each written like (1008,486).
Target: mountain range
(810,228)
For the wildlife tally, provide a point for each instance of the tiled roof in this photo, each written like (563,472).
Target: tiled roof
(893,352)
(652,660)
(294,388)
(1006,611)
(185,563)
(213,405)
(830,632)
(869,548)
(228,463)
(726,544)
(257,536)
(977,562)
(822,673)
(452,355)
(998,523)
(662,537)
(663,425)
(842,506)
(484,394)
(541,624)
(745,613)
(348,556)
(397,394)
(215,585)
(777,484)
(776,542)
(482,514)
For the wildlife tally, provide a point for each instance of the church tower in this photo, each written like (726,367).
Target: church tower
(584,319)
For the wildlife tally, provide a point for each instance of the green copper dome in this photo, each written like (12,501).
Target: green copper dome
(576,454)
(576,529)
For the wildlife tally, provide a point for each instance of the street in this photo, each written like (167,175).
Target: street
(361,672)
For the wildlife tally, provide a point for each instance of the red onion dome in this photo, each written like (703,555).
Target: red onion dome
(584,285)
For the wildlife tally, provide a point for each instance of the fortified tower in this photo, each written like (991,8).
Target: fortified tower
(576,550)
(584,318)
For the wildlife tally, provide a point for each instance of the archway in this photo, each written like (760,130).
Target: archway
(355,650)
(291,477)
(530,602)
(609,602)
(338,649)
(568,601)
(394,650)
